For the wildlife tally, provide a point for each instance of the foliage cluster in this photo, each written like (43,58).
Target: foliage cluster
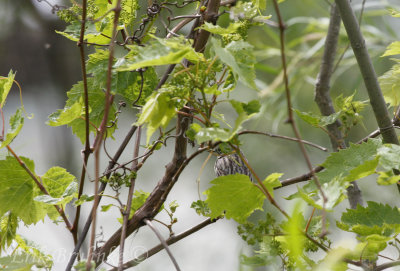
(176,84)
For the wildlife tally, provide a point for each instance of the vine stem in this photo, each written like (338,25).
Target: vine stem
(87,151)
(127,212)
(370,78)
(290,109)
(262,187)
(40,185)
(283,137)
(163,242)
(99,138)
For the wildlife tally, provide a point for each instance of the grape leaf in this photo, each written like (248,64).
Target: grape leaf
(216,29)
(16,123)
(17,190)
(272,181)
(316,120)
(234,194)
(238,55)
(62,188)
(389,156)
(245,112)
(293,239)
(159,52)
(8,230)
(349,162)
(376,218)
(96,104)
(5,87)
(158,111)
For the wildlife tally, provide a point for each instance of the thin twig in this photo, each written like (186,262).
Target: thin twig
(85,229)
(283,137)
(290,110)
(169,241)
(163,242)
(129,201)
(87,151)
(108,101)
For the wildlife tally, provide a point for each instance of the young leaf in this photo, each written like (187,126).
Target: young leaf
(216,29)
(272,181)
(234,194)
(16,123)
(159,52)
(17,191)
(245,112)
(390,83)
(294,239)
(238,55)
(316,120)
(5,87)
(8,230)
(157,112)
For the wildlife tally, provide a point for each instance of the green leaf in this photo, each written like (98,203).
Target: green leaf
(389,156)
(8,230)
(17,191)
(293,239)
(238,55)
(96,109)
(272,181)
(5,87)
(66,115)
(213,133)
(317,120)
(245,112)
(31,251)
(157,112)
(350,162)
(345,166)
(392,49)
(92,35)
(234,194)
(159,52)
(216,29)
(18,262)
(335,192)
(390,83)
(376,218)
(16,123)
(128,12)
(387,178)
(201,208)
(125,83)
(105,208)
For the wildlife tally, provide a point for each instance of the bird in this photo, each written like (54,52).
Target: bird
(229,164)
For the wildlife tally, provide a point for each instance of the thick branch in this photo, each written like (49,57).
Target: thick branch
(169,241)
(154,202)
(368,73)
(323,98)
